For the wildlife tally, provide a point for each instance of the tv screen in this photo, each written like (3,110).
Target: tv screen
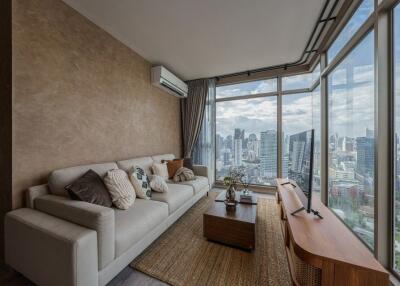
(301,155)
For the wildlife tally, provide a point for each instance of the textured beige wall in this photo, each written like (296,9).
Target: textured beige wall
(80,96)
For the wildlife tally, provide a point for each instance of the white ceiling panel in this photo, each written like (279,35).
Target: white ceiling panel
(204,38)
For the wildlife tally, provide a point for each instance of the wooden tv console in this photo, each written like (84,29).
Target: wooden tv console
(324,251)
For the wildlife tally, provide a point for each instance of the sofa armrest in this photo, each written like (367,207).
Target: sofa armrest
(34,192)
(200,170)
(50,251)
(95,217)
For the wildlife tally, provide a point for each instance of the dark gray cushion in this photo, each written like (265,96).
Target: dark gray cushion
(91,189)
(188,163)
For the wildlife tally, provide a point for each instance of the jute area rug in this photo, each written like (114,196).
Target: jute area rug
(182,256)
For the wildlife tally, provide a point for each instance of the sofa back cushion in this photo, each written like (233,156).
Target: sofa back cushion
(58,179)
(166,157)
(144,162)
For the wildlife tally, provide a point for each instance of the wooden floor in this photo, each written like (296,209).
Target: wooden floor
(127,277)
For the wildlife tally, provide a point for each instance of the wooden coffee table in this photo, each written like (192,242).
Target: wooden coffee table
(236,228)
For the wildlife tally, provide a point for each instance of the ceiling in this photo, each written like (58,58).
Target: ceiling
(205,38)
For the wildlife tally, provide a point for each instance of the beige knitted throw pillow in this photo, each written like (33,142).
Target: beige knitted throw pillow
(121,190)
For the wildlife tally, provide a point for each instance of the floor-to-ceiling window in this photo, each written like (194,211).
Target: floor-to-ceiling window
(351,139)
(246,130)
(396,139)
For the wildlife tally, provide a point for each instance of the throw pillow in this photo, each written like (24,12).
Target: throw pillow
(91,189)
(173,166)
(121,190)
(158,184)
(161,170)
(140,182)
(184,174)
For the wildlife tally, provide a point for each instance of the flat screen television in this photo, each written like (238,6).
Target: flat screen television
(300,167)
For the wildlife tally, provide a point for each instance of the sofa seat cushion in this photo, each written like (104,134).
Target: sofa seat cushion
(175,197)
(197,185)
(133,224)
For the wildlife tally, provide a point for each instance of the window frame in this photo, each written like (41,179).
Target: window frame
(279,94)
(393,151)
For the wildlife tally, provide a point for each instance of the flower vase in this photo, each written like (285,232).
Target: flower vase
(230,198)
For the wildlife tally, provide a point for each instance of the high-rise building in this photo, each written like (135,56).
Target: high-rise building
(347,144)
(268,153)
(252,137)
(219,142)
(229,142)
(226,157)
(238,146)
(365,155)
(253,145)
(369,133)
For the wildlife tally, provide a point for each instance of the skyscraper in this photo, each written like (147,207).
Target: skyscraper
(228,142)
(369,133)
(268,153)
(237,146)
(365,155)
(253,145)
(219,142)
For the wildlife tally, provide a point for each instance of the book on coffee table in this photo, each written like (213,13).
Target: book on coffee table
(246,199)
(252,199)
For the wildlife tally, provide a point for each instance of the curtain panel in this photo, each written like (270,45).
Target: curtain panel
(204,149)
(192,114)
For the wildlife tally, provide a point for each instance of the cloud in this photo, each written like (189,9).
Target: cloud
(253,115)
(247,88)
(297,81)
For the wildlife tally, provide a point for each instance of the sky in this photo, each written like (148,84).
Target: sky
(360,16)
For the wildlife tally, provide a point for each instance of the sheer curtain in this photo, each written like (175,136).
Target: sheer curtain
(204,149)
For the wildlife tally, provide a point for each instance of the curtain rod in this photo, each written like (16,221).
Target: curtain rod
(306,51)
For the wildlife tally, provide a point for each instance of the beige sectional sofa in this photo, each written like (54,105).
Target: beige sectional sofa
(59,241)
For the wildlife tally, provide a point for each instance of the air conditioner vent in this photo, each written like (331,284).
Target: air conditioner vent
(167,81)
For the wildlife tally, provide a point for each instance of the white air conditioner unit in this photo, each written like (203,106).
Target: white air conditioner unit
(164,79)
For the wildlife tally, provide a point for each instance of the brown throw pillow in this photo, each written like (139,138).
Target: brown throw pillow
(173,166)
(91,189)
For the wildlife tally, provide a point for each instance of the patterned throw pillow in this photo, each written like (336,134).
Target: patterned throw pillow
(140,182)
